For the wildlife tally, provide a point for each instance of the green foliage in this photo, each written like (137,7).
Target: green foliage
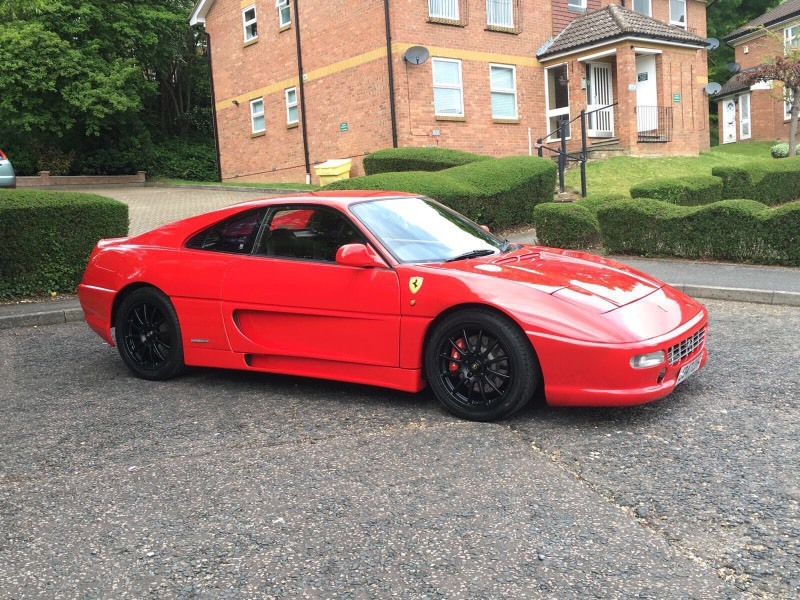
(736,230)
(183,159)
(780,150)
(391,160)
(566,225)
(500,192)
(767,181)
(687,191)
(48,236)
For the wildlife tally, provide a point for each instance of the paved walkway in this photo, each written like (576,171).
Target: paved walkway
(151,207)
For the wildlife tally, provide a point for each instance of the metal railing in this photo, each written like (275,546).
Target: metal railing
(561,133)
(654,124)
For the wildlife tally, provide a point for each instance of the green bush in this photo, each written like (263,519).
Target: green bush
(780,150)
(687,191)
(770,182)
(48,236)
(736,230)
(566,225)
(392,160)
(499,192)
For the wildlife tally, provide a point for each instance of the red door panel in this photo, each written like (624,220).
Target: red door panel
(312,309)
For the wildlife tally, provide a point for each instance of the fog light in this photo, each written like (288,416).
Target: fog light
(652,359)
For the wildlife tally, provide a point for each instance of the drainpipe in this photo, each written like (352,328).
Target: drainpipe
(213,106)
(302,90)
(391,72)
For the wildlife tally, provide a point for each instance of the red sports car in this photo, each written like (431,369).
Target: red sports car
(393,290)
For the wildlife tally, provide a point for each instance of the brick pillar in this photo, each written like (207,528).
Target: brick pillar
(45,178)
(625,117)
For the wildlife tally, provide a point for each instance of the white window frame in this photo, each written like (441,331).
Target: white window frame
(787,104)
(290,105)
(437,9)
(491,14)
(649,12)
(247,23)
(556,112)
(448,86)
(507,91)
(254,115)
(685,24)
(576,5)
(748,120)
(791,37)
(284,10)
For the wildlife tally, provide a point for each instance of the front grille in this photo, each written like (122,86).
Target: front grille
(687,347)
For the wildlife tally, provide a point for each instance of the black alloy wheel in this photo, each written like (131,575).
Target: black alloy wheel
(480,365)
(148,335)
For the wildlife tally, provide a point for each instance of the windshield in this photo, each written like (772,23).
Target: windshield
(421,230)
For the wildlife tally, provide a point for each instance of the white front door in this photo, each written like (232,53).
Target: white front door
(728,120)
(646,93)
(601,94)
(744,117)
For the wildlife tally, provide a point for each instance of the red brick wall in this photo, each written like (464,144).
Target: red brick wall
(563,14)
(766,117)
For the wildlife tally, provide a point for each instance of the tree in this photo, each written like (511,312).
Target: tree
(784,69)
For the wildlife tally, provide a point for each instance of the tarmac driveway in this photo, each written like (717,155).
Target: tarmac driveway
(226,484)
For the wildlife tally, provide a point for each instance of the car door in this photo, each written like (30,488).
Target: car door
(291,298)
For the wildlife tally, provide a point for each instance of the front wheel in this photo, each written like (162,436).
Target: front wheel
(480,365)
(148,335)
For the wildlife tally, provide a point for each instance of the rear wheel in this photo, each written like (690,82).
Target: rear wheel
(480,365)
(148,335)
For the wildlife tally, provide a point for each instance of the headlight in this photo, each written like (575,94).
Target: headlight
(652,359)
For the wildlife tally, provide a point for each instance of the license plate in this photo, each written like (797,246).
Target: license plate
(689,369)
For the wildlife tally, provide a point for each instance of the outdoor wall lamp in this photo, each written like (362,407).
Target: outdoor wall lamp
(235,102)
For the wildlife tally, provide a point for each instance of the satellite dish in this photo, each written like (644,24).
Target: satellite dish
(712,43)
(713,88)
(416,55)
(734,67)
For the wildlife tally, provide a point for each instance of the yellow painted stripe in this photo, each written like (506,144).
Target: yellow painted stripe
(702,79)
(246,3)
(373,55)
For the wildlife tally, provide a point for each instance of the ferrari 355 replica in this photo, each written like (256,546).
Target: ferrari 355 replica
(392,290)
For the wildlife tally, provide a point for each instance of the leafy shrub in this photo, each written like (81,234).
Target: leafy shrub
(500,192)
(183,159)
(737,230)
(566,225)
(780,150)
(48,236)
(770,182)
(687,191)
(392,160)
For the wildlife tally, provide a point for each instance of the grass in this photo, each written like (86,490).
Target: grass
(254,184)
(617,175)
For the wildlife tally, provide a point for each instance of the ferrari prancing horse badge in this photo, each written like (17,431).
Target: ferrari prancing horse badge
(414,284)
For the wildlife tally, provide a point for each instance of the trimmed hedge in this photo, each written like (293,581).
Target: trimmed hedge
(686,191)
(566,225)
(393,160)
(736,230)
(768,181)
(47,238)
(571,224)
(500,192)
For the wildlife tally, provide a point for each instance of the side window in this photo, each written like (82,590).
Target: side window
(308,233)
(236,234)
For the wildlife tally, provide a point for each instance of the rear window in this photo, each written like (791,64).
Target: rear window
(236,234)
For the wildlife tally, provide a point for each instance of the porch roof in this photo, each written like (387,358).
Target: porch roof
(612,23)
(734,84)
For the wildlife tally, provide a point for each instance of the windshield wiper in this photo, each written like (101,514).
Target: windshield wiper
(472,254)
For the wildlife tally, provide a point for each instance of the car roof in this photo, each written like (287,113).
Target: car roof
(338,199)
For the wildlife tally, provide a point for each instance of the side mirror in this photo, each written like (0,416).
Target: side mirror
(485,228)
(358,255)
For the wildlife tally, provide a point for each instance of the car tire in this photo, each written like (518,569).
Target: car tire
(148,335)
(480,365)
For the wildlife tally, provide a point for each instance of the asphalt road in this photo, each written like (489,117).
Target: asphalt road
(225,484)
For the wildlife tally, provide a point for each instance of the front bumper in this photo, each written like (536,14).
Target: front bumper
(591,374)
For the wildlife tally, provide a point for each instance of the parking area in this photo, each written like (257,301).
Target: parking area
(227,484)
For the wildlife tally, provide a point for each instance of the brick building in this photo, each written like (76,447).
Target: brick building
(499,73)
(758,112)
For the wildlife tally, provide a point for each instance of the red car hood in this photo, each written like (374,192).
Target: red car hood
(589,281)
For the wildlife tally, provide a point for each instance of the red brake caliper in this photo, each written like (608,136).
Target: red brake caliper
(454,366)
